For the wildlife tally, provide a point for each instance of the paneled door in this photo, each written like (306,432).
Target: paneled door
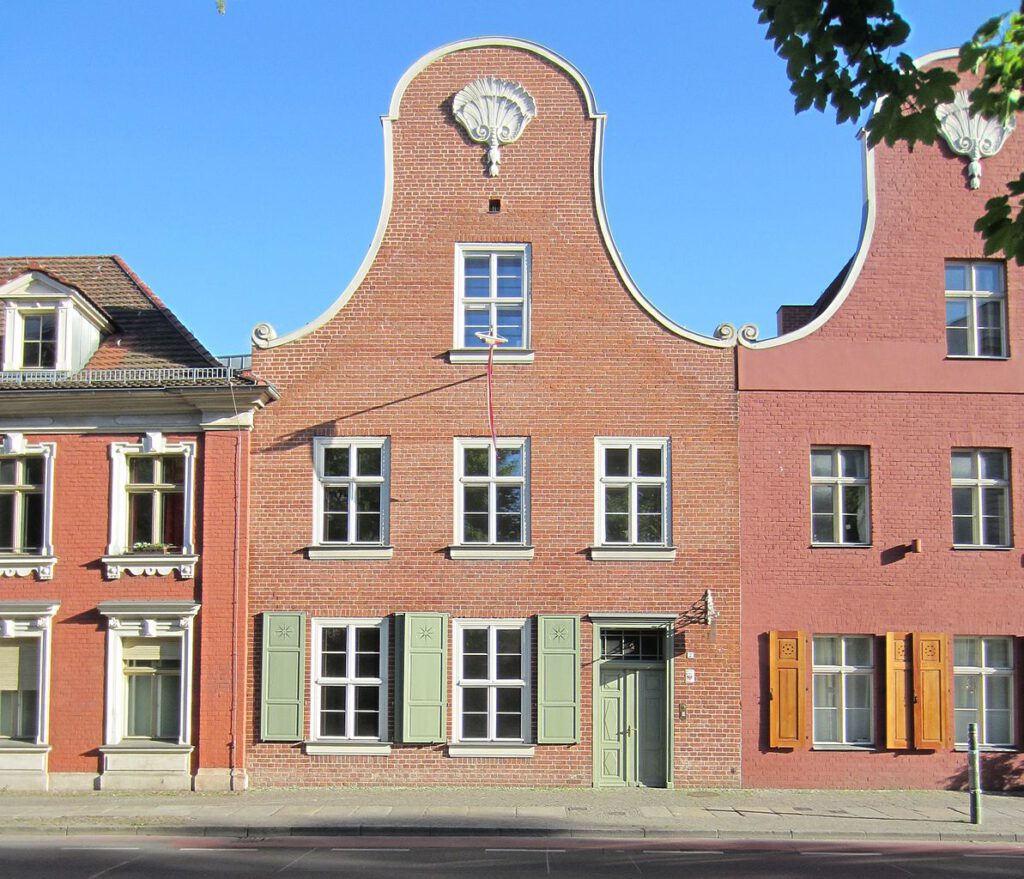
(631,727)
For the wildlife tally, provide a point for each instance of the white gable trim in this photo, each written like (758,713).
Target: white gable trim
(264,335)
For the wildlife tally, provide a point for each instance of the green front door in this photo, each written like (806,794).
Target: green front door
(631,726)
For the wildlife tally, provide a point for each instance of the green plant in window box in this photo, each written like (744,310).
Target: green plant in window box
(143,546)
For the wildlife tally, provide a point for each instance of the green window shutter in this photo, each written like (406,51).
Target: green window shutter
(558,679)
(424,665)
(284,677)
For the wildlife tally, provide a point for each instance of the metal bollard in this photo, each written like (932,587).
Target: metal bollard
(974,772)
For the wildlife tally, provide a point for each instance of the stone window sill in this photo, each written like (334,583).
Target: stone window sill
(10,745)
(975,547)
(492,551)
(353,749)
(632,553)
(23,565)
(144,564)
(479,355)
(349,552)
(145,746)
(490,750)
(841,546)
(989,749)
(837,746)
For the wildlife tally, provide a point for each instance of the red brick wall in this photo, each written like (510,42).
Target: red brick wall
(876,375)
(603,368)
(80,538)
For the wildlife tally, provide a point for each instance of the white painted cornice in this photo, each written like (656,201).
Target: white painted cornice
(867,231)
(264,335)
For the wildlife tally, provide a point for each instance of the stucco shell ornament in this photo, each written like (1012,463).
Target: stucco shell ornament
(975,137)
(495,112)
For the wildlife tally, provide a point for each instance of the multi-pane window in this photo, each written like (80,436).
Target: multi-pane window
(19,689)
(349,684)
(839,496)
(633,492)
(156,503)
(39,340)
(152,688)
(492,667)
(975,309)
(640,645)
(22,503)
(352,499)
(493,295)
(981,497)
(843,668)
(491,491)
(983,689)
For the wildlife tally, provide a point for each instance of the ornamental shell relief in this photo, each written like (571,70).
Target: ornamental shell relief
(495,112)
(975,137)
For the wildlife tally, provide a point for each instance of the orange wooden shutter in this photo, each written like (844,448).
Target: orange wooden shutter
(787,689)
(931,690)
(898,686)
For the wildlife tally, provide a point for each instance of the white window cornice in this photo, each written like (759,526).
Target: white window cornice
(120,558)
(41,563)
(168,620)
(33,619)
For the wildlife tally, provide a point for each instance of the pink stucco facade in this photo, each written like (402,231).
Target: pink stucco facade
(873,372)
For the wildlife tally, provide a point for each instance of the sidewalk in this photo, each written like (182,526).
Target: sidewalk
(719,814)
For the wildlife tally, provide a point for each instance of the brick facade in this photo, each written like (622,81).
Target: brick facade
(876,374)
(603,367)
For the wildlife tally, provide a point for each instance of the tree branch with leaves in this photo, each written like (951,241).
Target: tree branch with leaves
(845,53)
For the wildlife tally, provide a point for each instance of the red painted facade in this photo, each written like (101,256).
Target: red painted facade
(876,375)
(77,606)
(603,366)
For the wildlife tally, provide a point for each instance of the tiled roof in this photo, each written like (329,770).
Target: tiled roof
(147,335)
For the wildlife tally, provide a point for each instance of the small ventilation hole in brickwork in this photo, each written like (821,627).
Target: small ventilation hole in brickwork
(494,206)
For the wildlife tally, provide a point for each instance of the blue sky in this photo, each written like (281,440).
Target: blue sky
(236,161)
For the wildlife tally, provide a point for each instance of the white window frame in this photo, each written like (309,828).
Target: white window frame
(606,550)
(350,742)
(164,620)
(838,482)
(974,299)
(502,353)
(119,558)
(41,563)
(978,485)
(352,548)
(491,549)
(985,672)
(26,620)
(491,746)
(845,672)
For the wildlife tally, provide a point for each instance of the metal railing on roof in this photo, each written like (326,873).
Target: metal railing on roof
(103,377)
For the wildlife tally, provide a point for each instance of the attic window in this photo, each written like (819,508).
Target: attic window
(48,325)
(39,340)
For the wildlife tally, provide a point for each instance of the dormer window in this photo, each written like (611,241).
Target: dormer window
(48,325)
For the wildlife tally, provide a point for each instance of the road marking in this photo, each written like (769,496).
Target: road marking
(111,869)
(215,849)
(844,854)
(678,851)
(536,851)
(294,861)
(1009,857)
(369,849)
(99,848)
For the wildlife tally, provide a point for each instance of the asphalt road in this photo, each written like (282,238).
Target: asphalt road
(493,858)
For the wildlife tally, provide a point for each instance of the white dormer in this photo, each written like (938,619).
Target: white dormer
(48,325)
